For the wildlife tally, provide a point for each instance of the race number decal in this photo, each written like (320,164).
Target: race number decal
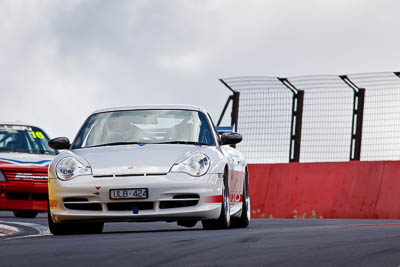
(37,134)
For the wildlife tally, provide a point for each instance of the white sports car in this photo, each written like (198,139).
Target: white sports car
(148,163)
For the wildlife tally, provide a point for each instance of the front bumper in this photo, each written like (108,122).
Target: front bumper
(21,195)
(174,196)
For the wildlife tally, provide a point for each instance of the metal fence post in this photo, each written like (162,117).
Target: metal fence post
(230,98)
(357,120)
(299,119)
(296,123)
(235,106)
(235,110)
(360,117)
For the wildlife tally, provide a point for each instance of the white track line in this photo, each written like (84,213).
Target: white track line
(43,230)
(7,230)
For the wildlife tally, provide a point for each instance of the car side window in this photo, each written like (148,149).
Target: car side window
(205,131)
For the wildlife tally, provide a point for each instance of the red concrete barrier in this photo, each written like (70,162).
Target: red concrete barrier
(353,189)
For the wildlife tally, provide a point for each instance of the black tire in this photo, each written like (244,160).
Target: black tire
(73,228)
(25,213)
(223,222)
(59,228)
(244,219)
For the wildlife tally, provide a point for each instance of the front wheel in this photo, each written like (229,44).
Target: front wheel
(244,219)
(59,228)
(224,220)
(73,228)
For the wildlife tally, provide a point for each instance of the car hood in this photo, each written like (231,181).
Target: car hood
(134,159)
(24,161)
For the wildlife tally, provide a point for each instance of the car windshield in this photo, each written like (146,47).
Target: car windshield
(24,139)
(145,127)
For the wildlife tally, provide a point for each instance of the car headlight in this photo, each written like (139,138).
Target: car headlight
(195,165)
(69,168)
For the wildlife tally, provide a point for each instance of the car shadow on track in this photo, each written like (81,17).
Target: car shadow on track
(150,231)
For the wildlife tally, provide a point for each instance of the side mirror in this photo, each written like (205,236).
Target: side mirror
(59,143)
(230,138)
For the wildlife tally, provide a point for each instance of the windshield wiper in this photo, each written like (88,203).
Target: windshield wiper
(117,144)
(184,142)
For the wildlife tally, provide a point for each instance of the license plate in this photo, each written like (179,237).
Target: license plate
(132,193)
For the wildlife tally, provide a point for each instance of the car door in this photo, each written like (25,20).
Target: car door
(236,165)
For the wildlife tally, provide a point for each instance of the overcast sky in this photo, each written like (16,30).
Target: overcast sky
(61,60)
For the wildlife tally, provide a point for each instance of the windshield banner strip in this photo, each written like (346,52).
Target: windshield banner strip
(25,163)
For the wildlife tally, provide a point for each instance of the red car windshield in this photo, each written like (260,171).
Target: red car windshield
(24,139)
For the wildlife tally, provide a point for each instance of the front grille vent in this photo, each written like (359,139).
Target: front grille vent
(180,201)
(177,204)
(130,175)
(26,196)
(81,203)
(17,175)
(75,199)
(156,174)
(103,176)
(83,206)
(182,196)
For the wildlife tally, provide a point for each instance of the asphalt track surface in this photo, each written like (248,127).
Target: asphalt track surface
(267,242)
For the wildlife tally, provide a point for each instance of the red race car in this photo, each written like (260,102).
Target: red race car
(24,159)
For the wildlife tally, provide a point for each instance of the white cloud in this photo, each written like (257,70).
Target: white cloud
(187,62)
(60,60)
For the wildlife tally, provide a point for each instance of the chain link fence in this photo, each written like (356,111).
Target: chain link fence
(327,118)
(337,123)
(381,124)
(264,118)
